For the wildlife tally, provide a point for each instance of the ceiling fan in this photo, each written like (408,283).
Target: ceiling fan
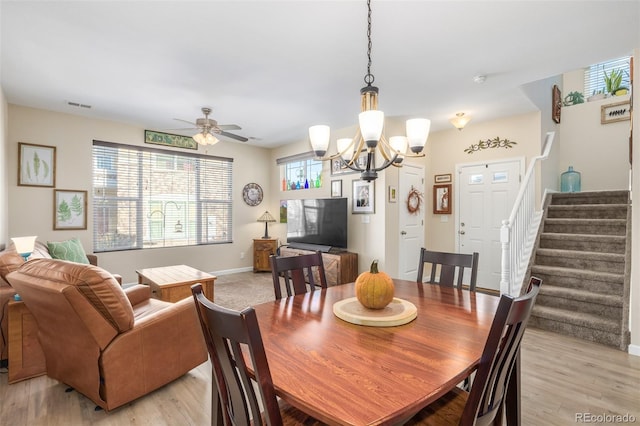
(209,127)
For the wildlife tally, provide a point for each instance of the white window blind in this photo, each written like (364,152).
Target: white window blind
(594,75)
(146,197)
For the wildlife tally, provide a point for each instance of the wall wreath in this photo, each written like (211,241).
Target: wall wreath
(414,200)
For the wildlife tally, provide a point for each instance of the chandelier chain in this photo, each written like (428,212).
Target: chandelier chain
(369,78)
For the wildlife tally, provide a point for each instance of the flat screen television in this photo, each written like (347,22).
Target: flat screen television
(317,224)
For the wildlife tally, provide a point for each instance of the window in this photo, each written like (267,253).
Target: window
(301,170)
(146,197)
(594,81)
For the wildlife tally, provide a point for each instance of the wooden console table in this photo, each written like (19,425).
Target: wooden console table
(26,358)
(339,268)
(173,283)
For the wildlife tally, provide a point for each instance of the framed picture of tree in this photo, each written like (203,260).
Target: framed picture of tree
(69,209)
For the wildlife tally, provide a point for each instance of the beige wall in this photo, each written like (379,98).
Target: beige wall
(634,308)
(31,209)
(4,173)
(445,151)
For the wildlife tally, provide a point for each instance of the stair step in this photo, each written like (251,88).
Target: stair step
(584,242)
(586,226)
(591,261)
(579,325)
(577,300)
(588,211)
(596,282)
(591,197)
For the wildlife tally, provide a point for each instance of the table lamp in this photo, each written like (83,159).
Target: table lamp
(266,218)
(24,246)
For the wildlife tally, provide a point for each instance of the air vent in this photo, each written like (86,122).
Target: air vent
(78,105)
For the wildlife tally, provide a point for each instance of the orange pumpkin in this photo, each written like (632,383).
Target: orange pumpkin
(374,290)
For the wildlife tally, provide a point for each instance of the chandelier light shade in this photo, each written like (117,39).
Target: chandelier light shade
(460,120)
(266,218)
(24,245)
(370,137)
(205,138)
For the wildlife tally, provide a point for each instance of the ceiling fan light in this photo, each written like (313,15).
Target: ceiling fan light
(371,124)
(319,138)
(417,133)
(205,138)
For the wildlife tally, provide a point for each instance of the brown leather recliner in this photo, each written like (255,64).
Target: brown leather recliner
(110,344)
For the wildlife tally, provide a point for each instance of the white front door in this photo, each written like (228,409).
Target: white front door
(411,226)
(485,196)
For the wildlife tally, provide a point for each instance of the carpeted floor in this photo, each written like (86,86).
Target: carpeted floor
(237,291)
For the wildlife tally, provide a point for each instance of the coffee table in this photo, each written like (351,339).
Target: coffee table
(173,283)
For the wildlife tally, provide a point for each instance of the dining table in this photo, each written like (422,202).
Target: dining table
(345,373)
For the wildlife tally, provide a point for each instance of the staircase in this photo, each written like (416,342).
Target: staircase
(583,256)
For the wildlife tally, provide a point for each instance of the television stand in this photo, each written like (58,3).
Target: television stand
(339,267)
(310,247)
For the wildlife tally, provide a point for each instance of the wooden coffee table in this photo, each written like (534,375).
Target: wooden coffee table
(173,283)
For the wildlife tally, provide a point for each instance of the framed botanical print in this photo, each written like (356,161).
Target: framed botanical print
(36,165)
(69,209)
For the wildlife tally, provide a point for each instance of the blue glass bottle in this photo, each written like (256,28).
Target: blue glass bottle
(570,181)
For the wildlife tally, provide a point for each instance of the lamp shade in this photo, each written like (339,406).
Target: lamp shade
(399,144)
(417,133)
(319,138)
(266,218)
(205,138)
(460,120)
(24,245)
(343,148)
(371,124)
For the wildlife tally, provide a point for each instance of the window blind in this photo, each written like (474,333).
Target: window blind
(147,197)
(594,75)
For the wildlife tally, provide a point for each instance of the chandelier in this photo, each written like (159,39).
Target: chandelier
(369,137)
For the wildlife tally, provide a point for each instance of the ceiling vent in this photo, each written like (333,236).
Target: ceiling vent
(78,105)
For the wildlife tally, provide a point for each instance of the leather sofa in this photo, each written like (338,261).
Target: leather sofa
(111,345)
(10,260)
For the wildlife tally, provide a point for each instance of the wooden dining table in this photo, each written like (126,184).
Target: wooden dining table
(347,374)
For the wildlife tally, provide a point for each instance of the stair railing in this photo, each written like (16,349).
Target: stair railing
(517,233)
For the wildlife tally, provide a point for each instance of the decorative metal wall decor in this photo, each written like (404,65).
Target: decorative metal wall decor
(490,143)
(168,139)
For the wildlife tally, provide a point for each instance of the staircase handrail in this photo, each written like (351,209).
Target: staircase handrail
(516,230)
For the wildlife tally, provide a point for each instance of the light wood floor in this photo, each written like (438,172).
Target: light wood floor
(561,377)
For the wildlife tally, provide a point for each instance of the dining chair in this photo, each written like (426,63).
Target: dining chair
(299,273)
(237,398)
(484,404)
(448,264)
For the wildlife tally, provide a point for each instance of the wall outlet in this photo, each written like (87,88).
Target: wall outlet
(241,255)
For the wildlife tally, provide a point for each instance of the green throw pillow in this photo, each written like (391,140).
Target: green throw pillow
(68,250)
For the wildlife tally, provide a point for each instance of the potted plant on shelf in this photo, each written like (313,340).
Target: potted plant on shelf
(573,98)
(613,82)
(597,95)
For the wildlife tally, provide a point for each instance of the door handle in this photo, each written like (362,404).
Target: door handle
(403,233)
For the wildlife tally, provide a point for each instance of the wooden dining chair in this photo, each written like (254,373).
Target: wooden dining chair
(485,403)
(236,398)
(298,272)
(448,264)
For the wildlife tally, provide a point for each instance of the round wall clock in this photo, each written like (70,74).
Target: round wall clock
(252,194)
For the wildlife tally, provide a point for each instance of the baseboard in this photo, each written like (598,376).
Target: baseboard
(232,271)
(634,350)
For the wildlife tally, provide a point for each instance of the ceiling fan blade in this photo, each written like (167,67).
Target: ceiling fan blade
(185,121)
(229,127)
(232,136)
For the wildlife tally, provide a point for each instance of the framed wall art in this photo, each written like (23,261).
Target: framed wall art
(69,209)
(556,104)
(363,197)
(442,178)
(168,139)
(442,199)
(36,165)
(336,188)
(393,194)
(612,113)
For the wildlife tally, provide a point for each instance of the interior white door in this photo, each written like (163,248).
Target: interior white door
(411,226)
(485,196)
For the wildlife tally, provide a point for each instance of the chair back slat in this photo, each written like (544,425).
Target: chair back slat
(298,273)
(445,266)
(487,395)
(225,332)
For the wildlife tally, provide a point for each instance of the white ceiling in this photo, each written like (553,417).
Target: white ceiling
(276,67)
